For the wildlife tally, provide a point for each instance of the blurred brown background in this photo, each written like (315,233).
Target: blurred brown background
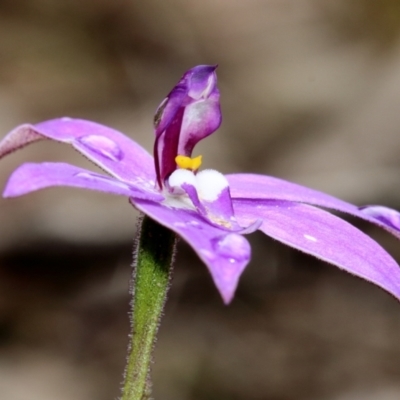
(310,93)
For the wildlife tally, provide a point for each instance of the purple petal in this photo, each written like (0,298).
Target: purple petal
(190,113)
(252,186)
(325,236)
(226,254)
(386,215)
(109,149)
(30,177)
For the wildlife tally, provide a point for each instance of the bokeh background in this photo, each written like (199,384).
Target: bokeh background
(310,93)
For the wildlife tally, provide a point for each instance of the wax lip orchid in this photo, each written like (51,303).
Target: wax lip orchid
(208,210)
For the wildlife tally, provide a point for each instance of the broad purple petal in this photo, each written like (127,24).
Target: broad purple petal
(325,236)
(190,112)
(226,254)
(109,149)
(253,186)
(31,177)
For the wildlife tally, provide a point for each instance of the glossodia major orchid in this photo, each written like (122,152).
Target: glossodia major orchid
(210,211)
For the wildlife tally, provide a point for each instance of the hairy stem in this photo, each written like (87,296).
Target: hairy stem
(153,258)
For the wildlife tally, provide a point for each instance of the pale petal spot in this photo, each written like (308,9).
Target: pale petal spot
(207,253)
(180,224)
(102,145)
(310,238)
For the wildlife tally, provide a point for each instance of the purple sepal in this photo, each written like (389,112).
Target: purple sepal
(30,177)
(225,254)
(109,149)
(323,235)
(253,186)
(383,214)
(190,112)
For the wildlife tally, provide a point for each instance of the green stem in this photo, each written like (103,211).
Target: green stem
(153,258)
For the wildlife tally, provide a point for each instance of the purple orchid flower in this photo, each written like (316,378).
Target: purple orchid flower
(208,210)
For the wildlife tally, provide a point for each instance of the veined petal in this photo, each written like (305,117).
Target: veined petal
(109,149)
(226,254)
(263,187)
(325,236)
(30,177)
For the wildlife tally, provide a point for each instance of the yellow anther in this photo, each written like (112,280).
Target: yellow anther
(188,163)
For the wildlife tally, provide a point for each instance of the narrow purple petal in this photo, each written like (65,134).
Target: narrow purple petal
(31,177)
(109,149)
(325,236)
(383,214)
(253,187)
(18,138)
(226,254)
